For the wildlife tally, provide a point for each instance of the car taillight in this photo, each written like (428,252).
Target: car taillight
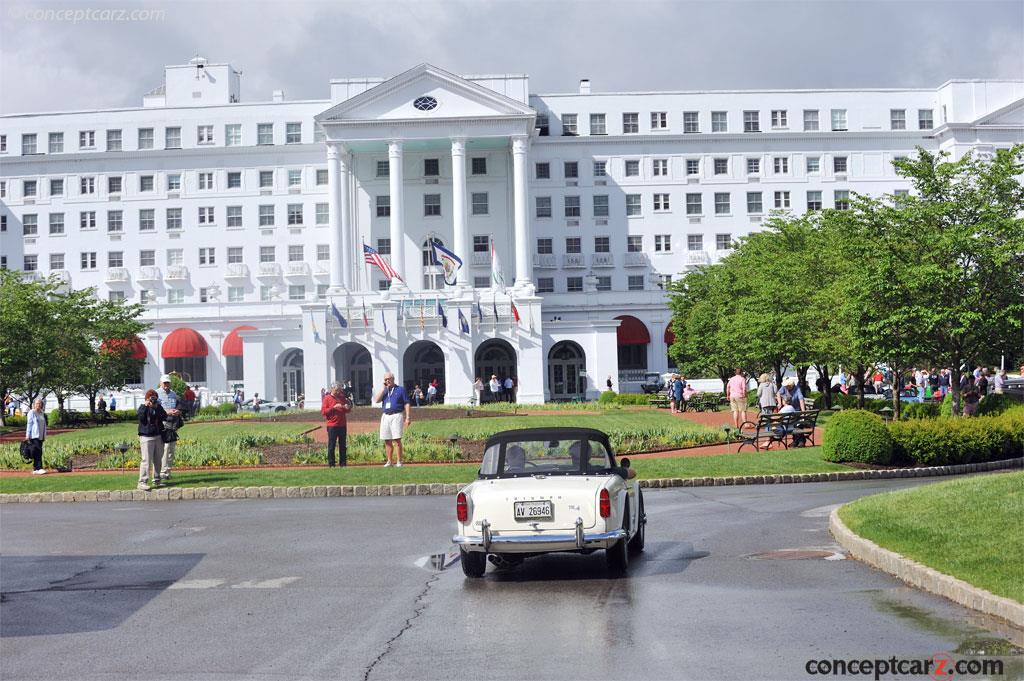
(462,507)
(605,504)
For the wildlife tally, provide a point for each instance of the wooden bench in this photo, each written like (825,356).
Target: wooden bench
(703,402)
(658,400)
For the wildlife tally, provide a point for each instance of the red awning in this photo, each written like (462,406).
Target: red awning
(632,331)
(184,343)
(233,342)
(137,347)
(670,335)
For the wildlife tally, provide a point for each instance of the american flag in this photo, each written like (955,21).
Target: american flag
(374,258)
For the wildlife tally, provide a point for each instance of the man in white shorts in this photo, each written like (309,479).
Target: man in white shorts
(395,416)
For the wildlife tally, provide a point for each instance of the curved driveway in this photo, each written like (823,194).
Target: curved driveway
(342,588)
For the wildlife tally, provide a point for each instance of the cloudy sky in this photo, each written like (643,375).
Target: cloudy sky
(57,61)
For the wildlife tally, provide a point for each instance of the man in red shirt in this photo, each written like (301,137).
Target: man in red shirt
(190,401)
(333,408)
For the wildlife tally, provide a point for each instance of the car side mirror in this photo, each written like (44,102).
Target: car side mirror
(624,463)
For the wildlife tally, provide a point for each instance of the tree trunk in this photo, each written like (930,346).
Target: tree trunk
(897,391)
(92,402)
(861,370)
(826,394)
(724,374)
(954,385)
(780,372)
(801,377)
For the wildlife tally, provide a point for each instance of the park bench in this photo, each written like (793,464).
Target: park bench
(805,424)
(703,402)
(779,428)
(659,400)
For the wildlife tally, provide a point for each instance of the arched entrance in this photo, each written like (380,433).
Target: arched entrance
(352,362)
(494,357)
(423,363)
(632,338)
(292,380)
(567,365)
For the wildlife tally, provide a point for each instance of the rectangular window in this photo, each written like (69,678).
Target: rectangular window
(813,164)
(661,202)
(146,138)
(264,133)
(810,120)
(782,200)
(544,246)
(232,216)
(293,133)
(478,165)
(572,206)
(543,125)
(604,283)
(323,214)
(173,218)
(234,180)
(695,242)
(172,138)
(602,244)
(719,121)
(321,177)
(600,168)
(754,205)
(87,219)
(597,124)
(630,123)
(31,263)
(662,243)
(267,254)
(146,183)
(659,167)
(633,168)
(723,242)
(207,256)
(753,166)
(175,296)
(431,205)
(173,182)
(88,260)
(266,179)
(781,165)
(236,294)
(56,261)
(569,125)
(235,255)
(814,200)
(56,142)
(87,185)
(87,139)
(751,121)
(543,206)
(265,293)
(635,282)
(114,185)
(147,219)
(57,223)
(266,213)
(571,170)
(479,203)
(28,188)
(693,204)
(323,252)
(573,244)
(600,205)
(544,284)
(693,166)
(113,140)
(482,243)
(839,120)
(233,135)
(633,207)
(780,118)
(431,167)
(721,166)
(206,215)
(147,258)
(204,134)
(839,164)
(383,206)
(384,246)
(295,253)
(295,214)
(57,187)
(205,181)
(691,122)
(574,284)
(3,146)
(383,169)
(295,177)
(659,120)
(924,119)
(722,203)
(898,119)
(634,243)
(842,199)
(543,171)
(115,221)
(28,145)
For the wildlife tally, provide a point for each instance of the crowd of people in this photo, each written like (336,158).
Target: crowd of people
(496,390)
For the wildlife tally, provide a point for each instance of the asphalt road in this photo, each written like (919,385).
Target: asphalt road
(343,588)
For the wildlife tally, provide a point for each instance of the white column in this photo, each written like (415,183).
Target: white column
(524,266)
(461,246)
(397,228)
(336,207)
(345,254)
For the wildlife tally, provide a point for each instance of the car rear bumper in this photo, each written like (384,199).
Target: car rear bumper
(537,542)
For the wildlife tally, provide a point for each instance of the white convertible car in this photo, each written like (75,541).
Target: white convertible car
(549,489)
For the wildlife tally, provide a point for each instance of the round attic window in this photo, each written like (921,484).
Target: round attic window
(425,103)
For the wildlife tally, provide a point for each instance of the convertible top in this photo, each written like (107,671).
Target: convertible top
(531,434)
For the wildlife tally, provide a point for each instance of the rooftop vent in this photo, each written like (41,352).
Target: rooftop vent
(585,86)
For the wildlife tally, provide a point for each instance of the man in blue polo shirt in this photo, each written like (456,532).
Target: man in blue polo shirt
(395,416)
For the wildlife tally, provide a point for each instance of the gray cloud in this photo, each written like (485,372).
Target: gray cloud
(47,64)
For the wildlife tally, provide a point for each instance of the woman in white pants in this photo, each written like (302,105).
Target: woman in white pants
(151,422)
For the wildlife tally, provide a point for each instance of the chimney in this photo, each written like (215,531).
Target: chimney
(585,86)
(277,95)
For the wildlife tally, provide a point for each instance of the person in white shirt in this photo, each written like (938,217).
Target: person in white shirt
(495,388)
(509,389)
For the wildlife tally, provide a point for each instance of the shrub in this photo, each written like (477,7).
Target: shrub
(607,397)
(996,404)
(919,410)
(949,441)
(856,435)
(632,399)
(946,409)
(16,421)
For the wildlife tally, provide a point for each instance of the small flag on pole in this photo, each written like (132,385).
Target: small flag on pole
(515,312)
(479,312)
(374,258)
(366,320)
(463,323)
(316,334)
(384,321)
(497,276)
(441,314)
(337,315)
(450,262)
(494,306)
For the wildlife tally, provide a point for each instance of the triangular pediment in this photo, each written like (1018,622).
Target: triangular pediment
(1011,114)
(394,100)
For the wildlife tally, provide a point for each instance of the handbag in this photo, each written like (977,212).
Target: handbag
(26,450)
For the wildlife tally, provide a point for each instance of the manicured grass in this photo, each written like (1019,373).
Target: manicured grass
(481,429)
(794,461)
(970,528)
(194,431)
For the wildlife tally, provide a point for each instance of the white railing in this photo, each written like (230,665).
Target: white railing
(323,268)
(480,259)
(149,273)
(636,260)
(545,260)
(63,276)
(602,260)
(698,258)
(176,273)
(116,274)
(297,270)
(268,270)
(573,260)
(237,270)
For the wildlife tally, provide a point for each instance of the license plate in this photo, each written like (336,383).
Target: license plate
(532,510)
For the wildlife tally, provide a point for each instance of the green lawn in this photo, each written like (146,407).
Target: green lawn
(795,461)
(482,428)
(971,528)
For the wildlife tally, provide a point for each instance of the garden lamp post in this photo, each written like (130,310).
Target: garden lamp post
(122,447)
(453,442)
(886,413)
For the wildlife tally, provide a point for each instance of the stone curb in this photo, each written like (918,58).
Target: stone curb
(924,577)
(448,489)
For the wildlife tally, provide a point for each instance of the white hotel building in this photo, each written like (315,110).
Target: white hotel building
(240,223)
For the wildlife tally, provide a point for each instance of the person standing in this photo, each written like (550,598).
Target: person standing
(169,401)
(510,393)
(943,382)
(765,394)
(334,408)
(736,393)
(495,388)
(982,384)
(190,402)
(877,379)
(101,409)
(238,401)
(478,388)
(113,403)
(609,382)
(999,382)
(396,414)
(256,403)
(151,425)
(35,433)
(431,393)
(971,397)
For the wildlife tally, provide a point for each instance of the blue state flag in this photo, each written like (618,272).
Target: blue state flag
(340,317)
(442,315)
(479,312)
(449,262)
(463,323)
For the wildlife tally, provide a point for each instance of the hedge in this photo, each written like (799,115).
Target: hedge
(856,435)
(947,441)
